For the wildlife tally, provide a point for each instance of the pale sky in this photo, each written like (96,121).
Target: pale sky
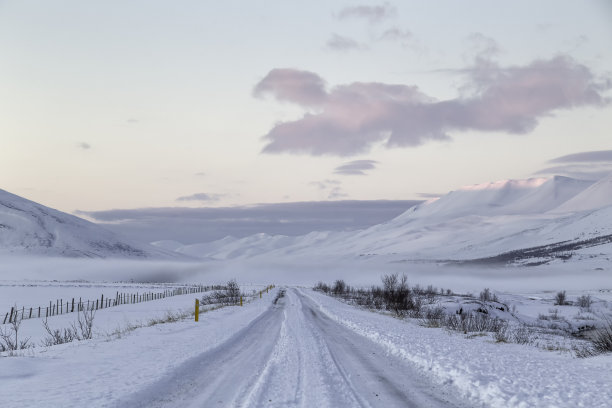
(142,104)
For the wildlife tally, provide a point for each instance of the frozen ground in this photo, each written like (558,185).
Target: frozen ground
(305,350)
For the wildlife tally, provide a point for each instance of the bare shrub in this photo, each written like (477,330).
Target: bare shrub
(85,320)
(487,296)
(602,337)
(584,301)
(322,287)
(503,334)
(228,295)
(339,287)
(397,295)
(473,322)
(9,336)
(522,335)
(59,336)
(560,298)
(432,316)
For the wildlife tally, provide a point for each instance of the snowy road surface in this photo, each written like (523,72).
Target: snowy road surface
(293,355)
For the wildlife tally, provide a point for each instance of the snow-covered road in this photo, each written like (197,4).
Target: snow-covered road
(305,350)
(293,355)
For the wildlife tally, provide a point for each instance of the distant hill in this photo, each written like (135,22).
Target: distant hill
(561,215)
(29,228)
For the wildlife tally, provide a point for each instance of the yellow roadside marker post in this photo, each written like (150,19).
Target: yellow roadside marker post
(260,294)
(240,300)
(197,310)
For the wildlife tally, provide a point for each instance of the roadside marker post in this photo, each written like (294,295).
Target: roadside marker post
(197,309)
(240,300)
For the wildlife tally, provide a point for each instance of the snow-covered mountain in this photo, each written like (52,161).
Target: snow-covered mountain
(29,228)
(475,222)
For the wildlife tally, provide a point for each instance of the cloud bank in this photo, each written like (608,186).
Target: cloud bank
(585,157)
(192,225)
(201,197)
(373,14)
(341,43)
(593,165)
(349,119)
(356,167)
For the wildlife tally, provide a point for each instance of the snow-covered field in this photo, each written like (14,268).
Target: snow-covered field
(307,349)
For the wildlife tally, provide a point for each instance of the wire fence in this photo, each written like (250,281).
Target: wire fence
(61,306)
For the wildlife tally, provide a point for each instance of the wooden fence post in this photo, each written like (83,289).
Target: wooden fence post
(197,309)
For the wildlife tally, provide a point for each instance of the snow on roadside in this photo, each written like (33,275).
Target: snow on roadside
(487,373)
(97,372)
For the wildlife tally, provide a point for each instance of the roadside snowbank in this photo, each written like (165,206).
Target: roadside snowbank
(485,372)
(98,372)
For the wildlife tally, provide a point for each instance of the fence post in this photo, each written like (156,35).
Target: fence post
(197,309)
(102,302)
(5,317)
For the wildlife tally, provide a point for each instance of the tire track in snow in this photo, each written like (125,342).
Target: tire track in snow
(219,376)
(293,355)
(377,378)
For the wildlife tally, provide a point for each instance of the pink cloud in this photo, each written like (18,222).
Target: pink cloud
(350,118)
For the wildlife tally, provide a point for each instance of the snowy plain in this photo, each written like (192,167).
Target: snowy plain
(308,349)
(299,357)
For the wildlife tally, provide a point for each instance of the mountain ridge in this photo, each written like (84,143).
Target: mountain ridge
(30,228)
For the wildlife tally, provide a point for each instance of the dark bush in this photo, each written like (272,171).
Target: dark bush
(560,298)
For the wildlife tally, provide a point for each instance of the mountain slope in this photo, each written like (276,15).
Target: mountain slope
(480,221)
(29,228)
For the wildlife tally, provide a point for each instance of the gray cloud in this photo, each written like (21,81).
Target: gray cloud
(322,185)
(341,43)
(395,34)
(84,146)
(588,157)
(290,85)
(333,188)
(356,167)
(201,197)
(351,118)
(579,171)
(592,165)
(191,225)
(336,192)
(482,48)
(373,14)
